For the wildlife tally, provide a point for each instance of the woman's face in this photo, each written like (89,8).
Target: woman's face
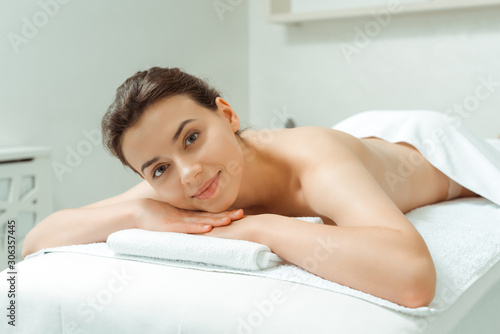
(189,154)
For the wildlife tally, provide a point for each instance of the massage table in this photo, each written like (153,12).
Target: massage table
(63,292)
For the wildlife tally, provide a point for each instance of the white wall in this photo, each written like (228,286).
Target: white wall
(61,81)
(63,76)
(430,60)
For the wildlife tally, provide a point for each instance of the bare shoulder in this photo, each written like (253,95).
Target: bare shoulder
(336,181)
(314,143)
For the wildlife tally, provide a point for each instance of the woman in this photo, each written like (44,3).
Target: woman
(200,170)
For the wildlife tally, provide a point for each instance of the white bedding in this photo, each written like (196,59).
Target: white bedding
(462,246)
(56,291)
(58,287)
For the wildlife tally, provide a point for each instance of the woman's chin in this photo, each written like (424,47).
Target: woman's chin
(217,206)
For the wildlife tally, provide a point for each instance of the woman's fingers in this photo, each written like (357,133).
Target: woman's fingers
(194,228)
(214,221)
(160,216)
(202,222)
(221,218)
(231,213)
(237,214)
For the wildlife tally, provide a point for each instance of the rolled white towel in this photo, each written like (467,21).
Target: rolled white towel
(238,254)
(235,254)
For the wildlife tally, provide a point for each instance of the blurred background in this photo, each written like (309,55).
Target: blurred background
(62,61)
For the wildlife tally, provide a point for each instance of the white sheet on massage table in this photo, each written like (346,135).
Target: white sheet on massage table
(163,299)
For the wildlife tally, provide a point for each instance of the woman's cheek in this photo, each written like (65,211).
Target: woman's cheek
(168,194)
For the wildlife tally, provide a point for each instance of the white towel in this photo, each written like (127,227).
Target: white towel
(459,153)
(237,254)
(463,237)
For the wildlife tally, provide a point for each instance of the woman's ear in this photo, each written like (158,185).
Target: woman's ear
(228,113)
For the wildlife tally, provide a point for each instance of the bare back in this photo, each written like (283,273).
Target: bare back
(406,177)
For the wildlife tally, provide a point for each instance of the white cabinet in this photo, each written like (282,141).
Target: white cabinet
(25,195)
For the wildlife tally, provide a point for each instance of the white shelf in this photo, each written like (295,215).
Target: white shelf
(23,152)
(280,11)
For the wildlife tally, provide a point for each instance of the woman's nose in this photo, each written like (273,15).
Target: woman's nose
(189,171)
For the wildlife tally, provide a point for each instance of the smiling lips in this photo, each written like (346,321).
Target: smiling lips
(208,189)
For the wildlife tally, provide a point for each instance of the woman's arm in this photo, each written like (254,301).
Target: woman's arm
(373,248)
(379,250)
(78,226)
(386,263)
(132,209)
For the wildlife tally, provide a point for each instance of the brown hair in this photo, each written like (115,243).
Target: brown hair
(141,91)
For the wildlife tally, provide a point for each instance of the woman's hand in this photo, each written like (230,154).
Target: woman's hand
(246,228)
(155,215)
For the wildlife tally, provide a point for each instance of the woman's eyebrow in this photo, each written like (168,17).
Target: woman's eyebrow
(174,139)
(180,128)
(149,163)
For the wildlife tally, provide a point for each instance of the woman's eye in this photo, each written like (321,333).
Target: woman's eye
(191,139)
(159,171)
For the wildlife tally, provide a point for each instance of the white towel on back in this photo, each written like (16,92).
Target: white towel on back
(445,142)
